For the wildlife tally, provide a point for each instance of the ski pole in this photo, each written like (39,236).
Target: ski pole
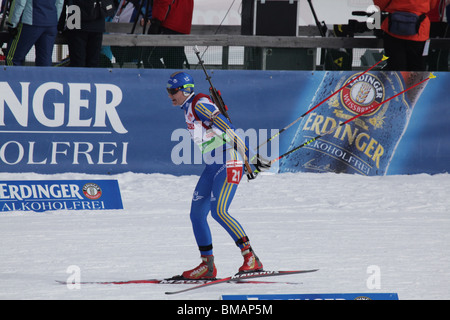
(321,102)
(431,76)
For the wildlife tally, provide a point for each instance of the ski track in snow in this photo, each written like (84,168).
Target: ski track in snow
(341,224)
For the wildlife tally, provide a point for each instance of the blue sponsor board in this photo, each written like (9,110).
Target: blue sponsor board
(315,296)
(109,121)
(52,195)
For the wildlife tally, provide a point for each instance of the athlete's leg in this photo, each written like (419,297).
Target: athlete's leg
(224,189)
(223,194)
(200,208)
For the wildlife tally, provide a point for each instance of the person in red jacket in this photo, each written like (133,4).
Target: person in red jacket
(404,41)
(169,17)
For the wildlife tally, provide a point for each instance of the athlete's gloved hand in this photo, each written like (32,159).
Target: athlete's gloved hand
(260,164)
(250,175)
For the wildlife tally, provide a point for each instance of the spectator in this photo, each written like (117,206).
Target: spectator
(437,59)
(85,40)
(33,22)
(169,17)
(131,11)
(128,11)
(404,43)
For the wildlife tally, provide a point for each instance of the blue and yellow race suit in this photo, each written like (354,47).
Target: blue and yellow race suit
(216,137)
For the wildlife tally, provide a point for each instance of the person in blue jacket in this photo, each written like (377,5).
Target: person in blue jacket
(224,153)
(33,22)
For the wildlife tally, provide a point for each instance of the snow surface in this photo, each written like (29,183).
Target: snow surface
(345,225)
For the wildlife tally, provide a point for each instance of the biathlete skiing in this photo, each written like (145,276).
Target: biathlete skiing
(226,156)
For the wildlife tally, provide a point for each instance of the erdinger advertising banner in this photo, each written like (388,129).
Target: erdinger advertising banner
(39,196)
(79,120)
(403,135)
(367,144)
(108,121)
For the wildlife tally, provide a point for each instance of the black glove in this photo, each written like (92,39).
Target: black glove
(12,31)
(155,26)
(260,164)
(250,175)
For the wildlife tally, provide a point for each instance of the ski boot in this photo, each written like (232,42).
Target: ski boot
(251,261)
(205,270)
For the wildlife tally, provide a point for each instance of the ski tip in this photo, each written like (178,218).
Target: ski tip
(384,58)
(303,271)
(432,76)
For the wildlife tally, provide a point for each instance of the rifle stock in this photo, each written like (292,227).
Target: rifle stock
(218,101)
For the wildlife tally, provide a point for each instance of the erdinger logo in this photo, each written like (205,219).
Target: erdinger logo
(92,191)
(363,94)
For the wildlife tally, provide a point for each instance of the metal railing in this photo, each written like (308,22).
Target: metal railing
(118,34)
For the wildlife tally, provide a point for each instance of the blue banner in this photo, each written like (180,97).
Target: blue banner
(109,121)
(315,296)
(51,195)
